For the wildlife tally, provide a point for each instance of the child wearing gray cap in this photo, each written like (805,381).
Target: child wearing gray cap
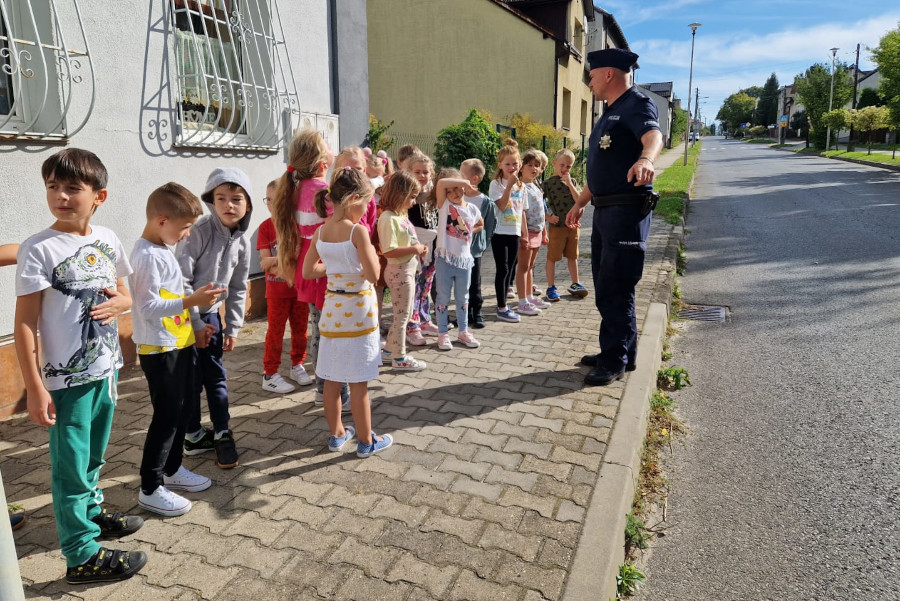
(217,252)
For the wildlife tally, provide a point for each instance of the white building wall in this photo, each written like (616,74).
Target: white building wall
(131,126)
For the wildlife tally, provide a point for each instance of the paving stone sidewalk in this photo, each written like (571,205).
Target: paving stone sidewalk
(482,497)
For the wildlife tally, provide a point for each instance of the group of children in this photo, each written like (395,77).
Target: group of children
(330,250)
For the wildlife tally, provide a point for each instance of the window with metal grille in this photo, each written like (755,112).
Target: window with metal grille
(235,84)
(46,73)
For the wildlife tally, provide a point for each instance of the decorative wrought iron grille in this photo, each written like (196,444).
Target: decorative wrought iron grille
(47,85)
(235,81)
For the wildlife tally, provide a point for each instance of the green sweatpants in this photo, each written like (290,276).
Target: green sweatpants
(78,441)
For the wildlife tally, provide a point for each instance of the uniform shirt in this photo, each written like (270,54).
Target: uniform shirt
(72,272)
(615,143)
(159,320)
(267,239)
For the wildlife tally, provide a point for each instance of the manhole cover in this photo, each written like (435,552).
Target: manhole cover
(704,313)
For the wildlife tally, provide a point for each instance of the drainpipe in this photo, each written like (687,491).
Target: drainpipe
(335,72)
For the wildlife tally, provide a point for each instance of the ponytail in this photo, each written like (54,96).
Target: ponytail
(321,203)
(286,229)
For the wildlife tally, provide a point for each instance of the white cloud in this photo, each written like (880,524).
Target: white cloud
(632,15)
(724,64)
(789,45)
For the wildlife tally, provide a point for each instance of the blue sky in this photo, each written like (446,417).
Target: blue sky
(740,43)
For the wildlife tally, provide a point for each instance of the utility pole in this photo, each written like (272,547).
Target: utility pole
(853,106)
(782,128)
(830,98)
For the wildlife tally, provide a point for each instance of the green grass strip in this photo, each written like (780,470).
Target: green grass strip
(883,159)
(672,186)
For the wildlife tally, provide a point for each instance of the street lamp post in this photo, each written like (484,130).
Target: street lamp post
(830,98)
(687,134)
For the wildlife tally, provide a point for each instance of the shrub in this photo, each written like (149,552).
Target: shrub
(377,137)
(473,138)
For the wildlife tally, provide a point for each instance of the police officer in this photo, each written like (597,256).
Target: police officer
(624,144)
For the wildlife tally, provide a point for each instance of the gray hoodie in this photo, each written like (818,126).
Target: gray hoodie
(215,254)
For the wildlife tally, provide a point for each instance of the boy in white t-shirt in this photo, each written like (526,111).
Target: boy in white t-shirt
(164,339)
(70,287)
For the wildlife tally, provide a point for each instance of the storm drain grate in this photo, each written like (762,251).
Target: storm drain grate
(704,313)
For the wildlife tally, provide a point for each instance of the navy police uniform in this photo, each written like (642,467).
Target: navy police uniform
(620,229)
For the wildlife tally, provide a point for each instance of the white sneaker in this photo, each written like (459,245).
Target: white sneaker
(299,375)
(526,308)
(385,357)
(184,479)
(276,384)
(510,293)
(164,502)
(540,304)
(429,328)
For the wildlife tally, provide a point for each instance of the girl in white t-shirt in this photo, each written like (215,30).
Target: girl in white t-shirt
(458,220)
(401,248)
(509,195)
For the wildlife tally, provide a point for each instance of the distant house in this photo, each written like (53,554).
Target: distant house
(661,94)
(430,62)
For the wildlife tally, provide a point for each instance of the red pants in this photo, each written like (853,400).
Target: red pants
(282,310)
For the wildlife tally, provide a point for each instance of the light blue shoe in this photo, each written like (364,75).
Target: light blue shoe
(336,443)
(364,450)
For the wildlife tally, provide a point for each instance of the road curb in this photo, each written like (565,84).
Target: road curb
(601,548)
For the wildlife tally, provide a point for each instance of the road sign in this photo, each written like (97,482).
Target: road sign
(784,119)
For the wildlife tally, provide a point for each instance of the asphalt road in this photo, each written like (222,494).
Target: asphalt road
(788,485)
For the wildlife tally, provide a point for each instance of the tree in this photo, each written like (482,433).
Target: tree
(767,108)
(813,89)
(800,123)
(679,123)
(887,57)
(473,138)
(871,118)
(838,119)
(869,97)
(752,91)
(737,108)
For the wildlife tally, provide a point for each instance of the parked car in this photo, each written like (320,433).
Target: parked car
(693,137)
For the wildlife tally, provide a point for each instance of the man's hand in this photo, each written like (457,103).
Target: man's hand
(41,409)
(642,172)
(573,217)
(117,304)
(228,343)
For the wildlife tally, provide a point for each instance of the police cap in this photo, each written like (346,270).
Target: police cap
(617,58)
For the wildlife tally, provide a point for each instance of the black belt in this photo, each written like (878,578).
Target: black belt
(645,201)
(626,198)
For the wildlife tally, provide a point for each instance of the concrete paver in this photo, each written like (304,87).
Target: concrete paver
(484,495)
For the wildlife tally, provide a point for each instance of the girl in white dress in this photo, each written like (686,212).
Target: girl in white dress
(349,350)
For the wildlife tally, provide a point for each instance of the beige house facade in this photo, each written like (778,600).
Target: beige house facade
(430,62)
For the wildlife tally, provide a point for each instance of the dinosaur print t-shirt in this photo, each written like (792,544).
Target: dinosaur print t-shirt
(72,271)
